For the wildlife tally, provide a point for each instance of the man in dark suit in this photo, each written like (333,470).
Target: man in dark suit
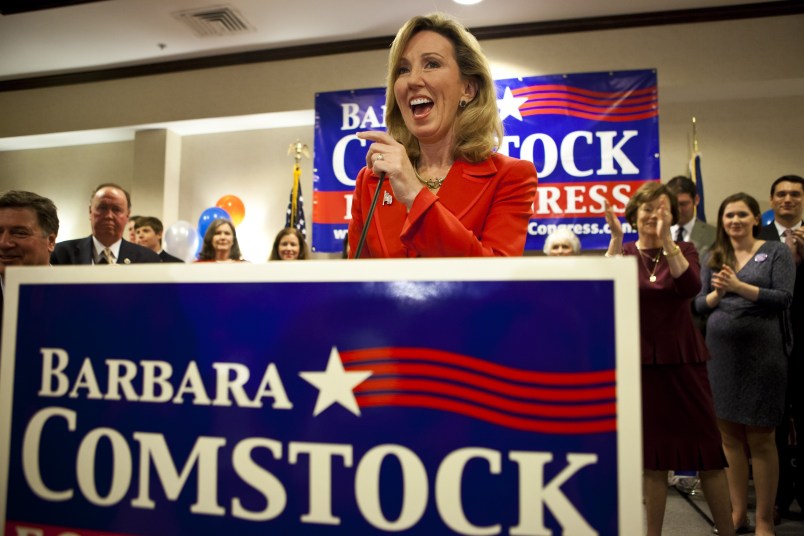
(149,231)
(109,210)
(787,202)
(28,228)
(689,228)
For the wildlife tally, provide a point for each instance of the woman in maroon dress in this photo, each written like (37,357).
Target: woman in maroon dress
(678,420)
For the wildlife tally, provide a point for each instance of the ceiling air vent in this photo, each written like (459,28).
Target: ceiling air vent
(214,21)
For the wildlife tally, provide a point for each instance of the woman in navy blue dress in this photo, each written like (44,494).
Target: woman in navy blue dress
(747,285)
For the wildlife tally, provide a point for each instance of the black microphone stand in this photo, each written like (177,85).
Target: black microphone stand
(367,222)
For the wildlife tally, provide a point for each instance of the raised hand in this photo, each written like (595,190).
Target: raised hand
(798,245)
(612,220)
(388,156)
(664,220)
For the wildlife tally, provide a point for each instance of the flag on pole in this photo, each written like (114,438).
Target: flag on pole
(295,213)
(697,178)
(695,174)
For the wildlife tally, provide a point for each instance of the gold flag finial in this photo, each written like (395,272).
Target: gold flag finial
(694,136)
(297,149)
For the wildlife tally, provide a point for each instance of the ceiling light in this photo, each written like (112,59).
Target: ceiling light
(467,2)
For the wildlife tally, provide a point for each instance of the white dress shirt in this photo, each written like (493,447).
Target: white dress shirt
(98,248)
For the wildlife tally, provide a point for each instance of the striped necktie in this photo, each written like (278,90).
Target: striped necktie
(106,257)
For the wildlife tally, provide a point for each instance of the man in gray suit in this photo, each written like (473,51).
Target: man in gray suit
(702,235)
(109,210)
(689,228)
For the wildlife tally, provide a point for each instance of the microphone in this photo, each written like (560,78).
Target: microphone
(370,213)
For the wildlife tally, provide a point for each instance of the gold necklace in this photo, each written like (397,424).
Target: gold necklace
(432,184)
(655,260)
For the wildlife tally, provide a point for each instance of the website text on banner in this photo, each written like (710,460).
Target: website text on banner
(592,137)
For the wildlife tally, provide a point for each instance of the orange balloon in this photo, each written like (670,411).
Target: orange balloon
(234,206)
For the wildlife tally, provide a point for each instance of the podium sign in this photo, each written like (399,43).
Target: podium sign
(464,396)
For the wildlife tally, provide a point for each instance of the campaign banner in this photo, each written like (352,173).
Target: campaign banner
(591,136)
(307,399)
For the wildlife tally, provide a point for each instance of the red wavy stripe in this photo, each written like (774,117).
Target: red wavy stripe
(582,107)
(582,91)
(596,102)
(495,386)
(595,117)
(438,388)
(27,527)
(494,417)
(478,365)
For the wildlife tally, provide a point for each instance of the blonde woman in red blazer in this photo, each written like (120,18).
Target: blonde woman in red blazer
(448,194)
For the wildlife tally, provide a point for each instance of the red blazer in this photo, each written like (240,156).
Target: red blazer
(482,210)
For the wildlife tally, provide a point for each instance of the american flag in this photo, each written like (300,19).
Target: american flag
(294,216)
(695,173)
(697,178)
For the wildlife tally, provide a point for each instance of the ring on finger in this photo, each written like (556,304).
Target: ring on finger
(379,156)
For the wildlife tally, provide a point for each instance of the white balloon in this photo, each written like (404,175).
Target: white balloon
(181,240)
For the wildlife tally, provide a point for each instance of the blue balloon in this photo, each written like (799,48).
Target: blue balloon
(767,217)
(212,213)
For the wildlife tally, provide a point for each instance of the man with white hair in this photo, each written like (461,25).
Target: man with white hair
(109,210)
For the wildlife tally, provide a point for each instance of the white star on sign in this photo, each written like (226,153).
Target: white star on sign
(509,105)
(335,385)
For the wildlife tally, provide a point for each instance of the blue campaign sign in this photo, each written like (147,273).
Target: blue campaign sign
(591,136)
(338,156)
(322,397)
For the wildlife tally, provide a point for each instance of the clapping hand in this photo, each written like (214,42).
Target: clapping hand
(612,220)
(725,280)
(664,220)
(798,240)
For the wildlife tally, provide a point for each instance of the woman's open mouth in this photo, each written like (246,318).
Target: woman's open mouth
(421,106)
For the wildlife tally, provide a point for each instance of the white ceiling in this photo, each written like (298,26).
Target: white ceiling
(117,33)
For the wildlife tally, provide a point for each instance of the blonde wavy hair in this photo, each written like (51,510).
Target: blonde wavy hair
(478,128)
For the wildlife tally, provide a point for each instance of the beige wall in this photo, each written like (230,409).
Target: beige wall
(255,167)
(743,80)
(68,175)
